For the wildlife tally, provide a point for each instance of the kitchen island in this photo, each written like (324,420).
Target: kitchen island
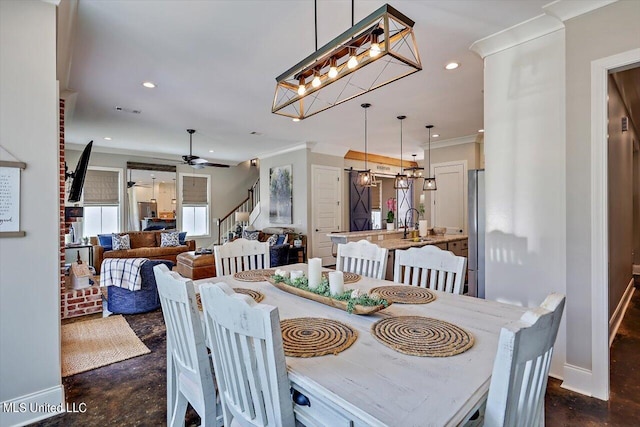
(393,240)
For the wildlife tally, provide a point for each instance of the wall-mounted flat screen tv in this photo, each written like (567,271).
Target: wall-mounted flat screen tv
(79,174)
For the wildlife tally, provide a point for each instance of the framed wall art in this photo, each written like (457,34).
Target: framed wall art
(280,195)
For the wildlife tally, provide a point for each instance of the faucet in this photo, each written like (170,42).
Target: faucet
(405,220)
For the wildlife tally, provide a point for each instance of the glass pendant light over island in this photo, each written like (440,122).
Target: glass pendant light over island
(365,177)
(429,182)
(402,180)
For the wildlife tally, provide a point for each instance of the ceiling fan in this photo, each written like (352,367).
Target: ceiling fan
(195,161)
(132,183)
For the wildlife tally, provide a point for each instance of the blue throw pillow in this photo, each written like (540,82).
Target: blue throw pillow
(106,241)
(282,239)
(182,237)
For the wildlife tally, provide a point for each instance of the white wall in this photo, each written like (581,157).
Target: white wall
(524,101)
(30,297)
(299,159)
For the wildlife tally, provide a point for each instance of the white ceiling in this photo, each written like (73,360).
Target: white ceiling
(215,64)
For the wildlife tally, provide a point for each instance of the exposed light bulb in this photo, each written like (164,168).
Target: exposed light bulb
(375,50)
(333,72)
(352,62)
(301,89)
(295,119)
(316,81)
(436,135)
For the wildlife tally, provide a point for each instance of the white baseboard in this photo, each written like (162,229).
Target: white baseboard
(621,309)
(32,407)
(577,379)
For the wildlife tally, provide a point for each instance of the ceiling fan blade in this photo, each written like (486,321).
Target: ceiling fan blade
(215,165)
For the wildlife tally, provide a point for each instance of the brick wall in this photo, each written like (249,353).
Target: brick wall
(81,301)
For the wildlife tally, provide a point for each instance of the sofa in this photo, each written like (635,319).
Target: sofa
(144,244)
(278,252)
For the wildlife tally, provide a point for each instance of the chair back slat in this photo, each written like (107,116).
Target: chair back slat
(362,257)
(189,375)
(241,255)
(521,367)
(430,267)
(248,354)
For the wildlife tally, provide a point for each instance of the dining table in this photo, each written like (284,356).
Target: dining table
(371,384)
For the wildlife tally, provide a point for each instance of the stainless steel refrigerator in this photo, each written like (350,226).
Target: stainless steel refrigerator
(476,206)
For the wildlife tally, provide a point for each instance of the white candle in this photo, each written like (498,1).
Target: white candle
(314,272)
(336,282)
(423,226)
(296,274)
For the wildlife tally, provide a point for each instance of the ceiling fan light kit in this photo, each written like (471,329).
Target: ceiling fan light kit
(376,51)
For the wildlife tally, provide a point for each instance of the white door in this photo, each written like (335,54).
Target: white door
(326,196)
(450,199)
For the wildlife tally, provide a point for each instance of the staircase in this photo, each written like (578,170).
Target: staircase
(250,204)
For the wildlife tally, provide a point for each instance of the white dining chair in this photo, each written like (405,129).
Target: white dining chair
(189,375)
(430,267)
(241,255)
(362,257)
(248,358)
(521,367)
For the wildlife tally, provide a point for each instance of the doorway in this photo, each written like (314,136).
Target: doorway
(600,332)
(449,201)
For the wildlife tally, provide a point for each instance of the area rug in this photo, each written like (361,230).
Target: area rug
(90,344)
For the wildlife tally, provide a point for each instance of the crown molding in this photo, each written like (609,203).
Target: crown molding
(329,149)
(520,33)
(53,2)
(555,13)
(565,10)
(297,147)
(450,142)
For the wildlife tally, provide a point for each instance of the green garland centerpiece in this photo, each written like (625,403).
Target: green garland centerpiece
(352,297)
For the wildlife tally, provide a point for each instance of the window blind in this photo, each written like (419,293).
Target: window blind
(101,188)
(194,190)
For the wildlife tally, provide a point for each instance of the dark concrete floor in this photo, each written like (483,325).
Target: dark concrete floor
(133,392)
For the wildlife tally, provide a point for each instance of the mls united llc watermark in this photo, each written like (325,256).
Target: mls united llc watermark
(34,407)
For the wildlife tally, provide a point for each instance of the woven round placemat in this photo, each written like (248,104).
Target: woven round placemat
(312,336)
(405,294)
(254,275)
(257,296)
(348,277)
(422,336)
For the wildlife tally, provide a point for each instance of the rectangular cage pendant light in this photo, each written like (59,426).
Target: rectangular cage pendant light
(376,51)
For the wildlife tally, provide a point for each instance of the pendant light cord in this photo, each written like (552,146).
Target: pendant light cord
(401,168)
(429,152)
(365,140)
(353,8)
(315,16)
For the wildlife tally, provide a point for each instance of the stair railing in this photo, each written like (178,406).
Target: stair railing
(228,222)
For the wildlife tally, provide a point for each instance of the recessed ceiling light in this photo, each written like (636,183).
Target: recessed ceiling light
(481,130)
(211,151)
(149,85)
(295,119)
(107,138)
(255,133)
(151,174)
(435,135)
(452,66)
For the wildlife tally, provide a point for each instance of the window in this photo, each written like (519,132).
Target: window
(195,204)
(101,199)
